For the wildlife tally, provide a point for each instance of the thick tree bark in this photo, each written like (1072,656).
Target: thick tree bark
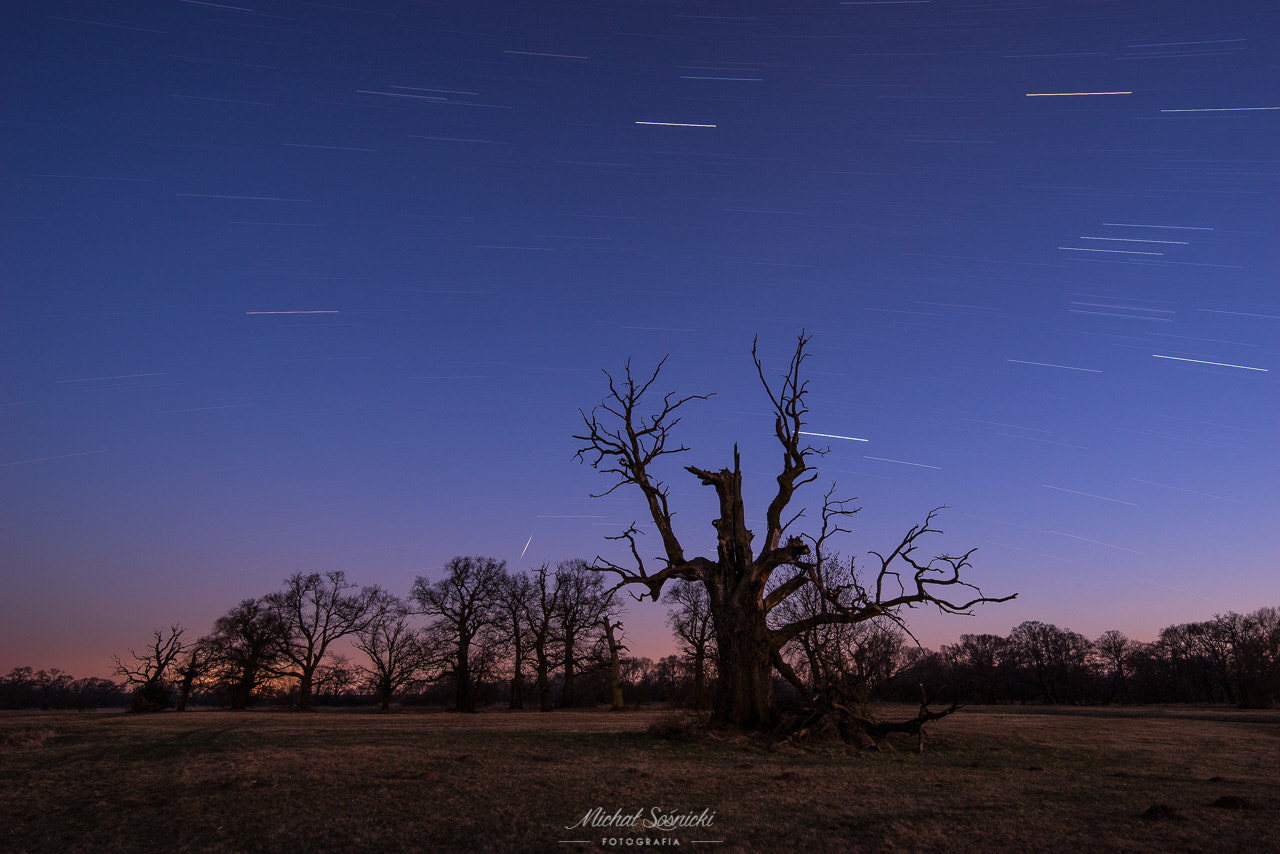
(744,695)
(744,642)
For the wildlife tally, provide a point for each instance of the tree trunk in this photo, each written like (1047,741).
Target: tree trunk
(384,694)
(544,684)
(567,698)
(465,695)
(615,668)
(517,679)
(744,696)
(304,690)
(242,690)
(700,678)
(184,692)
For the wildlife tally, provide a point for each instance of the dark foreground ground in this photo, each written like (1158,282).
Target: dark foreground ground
(990,780)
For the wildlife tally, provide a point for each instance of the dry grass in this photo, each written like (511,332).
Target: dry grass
(991,780)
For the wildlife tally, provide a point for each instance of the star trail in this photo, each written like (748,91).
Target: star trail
(298,286)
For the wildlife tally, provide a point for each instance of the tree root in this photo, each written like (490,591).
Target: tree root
(827,719)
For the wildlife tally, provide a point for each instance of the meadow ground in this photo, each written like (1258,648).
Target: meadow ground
(990,779)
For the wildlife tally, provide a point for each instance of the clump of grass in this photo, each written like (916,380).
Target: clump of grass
(17,739)
(679,725)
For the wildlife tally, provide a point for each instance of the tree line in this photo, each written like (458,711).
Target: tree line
(476,627)
(551,636)
(27,688)
(1231,658)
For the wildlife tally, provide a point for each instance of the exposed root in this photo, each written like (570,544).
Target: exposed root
(831,718)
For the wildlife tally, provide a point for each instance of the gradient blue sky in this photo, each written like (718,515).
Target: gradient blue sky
(1058,314)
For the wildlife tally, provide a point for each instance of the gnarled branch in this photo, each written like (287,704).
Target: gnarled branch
(628,450)
(789,412)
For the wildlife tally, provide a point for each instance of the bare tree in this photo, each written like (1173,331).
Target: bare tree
(982,665)
(513,623)
(314,610)
(1056,659)
(626,440)
(244,649)
(581,603)
(193,667)
(1112,650)
(463,603)
(841,664)
(150,669)
(397,658)
(1256,651)
(540,612)
(1252,645)
(335,677)
(613,640)
(690,620)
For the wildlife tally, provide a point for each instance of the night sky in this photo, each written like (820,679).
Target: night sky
(301,286)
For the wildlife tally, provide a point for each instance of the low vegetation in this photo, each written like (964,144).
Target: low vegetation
(1154,779)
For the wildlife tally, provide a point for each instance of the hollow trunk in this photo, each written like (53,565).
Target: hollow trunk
(735,591)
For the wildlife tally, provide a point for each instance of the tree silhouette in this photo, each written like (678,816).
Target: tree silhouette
(690,620)
(397,657)
(626,440)
(150,669)
(464,605)
(582,602)
(513,620)
(244,649)
(314,610)
(540,612)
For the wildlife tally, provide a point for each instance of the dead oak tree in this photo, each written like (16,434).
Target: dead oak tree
(151,669)
(626,437)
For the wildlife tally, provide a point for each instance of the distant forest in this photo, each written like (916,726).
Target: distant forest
(552,638)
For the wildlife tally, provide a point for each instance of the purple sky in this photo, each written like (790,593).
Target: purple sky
(307,286)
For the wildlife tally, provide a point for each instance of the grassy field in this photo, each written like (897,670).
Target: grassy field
(991,779)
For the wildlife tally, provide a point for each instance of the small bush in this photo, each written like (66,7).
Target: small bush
(680,725)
